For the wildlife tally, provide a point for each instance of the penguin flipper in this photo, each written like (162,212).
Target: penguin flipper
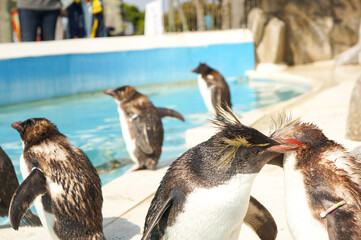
(260,220)
(158,216)
(216,96)
(9,182)
(165,112)
(4,210)
(25,194)
(219,101)
(140,131)
(277,161)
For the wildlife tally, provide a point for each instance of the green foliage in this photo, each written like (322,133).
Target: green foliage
(140,24)
(13,5)
(132,14)
(213,9)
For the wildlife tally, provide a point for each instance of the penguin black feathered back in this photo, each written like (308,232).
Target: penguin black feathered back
(9,184)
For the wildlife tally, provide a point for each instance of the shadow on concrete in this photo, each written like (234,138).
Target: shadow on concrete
(120,228)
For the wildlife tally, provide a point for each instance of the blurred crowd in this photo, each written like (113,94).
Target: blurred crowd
(43,20)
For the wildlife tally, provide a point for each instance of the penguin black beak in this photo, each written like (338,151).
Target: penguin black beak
(109,92)
(17,125)
(286,145)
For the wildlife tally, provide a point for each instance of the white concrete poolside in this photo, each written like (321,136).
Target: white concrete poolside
(127,198)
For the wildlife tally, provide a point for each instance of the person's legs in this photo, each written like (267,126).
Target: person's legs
(98,29)
(29,22)
(48,24)
(76,21)
(81,22)
(72,27)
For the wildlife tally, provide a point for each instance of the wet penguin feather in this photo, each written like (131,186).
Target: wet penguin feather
(282,120)
(225,118)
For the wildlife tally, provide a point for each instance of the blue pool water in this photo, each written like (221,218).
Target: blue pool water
(91,121)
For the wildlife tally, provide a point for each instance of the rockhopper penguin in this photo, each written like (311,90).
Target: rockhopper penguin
(60,180)
(320,176)
(141,125)
(205,193)
(214,89)
(8,185)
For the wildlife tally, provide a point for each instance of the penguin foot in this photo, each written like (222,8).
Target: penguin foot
(135,167)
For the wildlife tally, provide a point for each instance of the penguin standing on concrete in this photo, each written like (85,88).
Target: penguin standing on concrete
(322,184)
(205,193)
(214,89)
(60,180)
(8,185)
(141,125)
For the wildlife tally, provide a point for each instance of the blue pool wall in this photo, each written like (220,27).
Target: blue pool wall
(37,71)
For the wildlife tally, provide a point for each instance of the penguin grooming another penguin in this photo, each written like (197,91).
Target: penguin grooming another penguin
(322,184)
(9,184)
(61,182)
(141,125)
(205,193)
(213,87)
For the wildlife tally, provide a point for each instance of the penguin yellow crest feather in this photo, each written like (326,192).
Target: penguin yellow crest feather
(228,147)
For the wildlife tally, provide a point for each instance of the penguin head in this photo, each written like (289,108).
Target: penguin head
(202,69)
(242,148)
(121,94)
(297,136)
(35,130)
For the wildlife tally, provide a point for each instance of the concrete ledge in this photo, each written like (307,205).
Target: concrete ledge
(129,43)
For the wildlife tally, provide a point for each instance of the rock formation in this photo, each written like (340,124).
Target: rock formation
(256,22)
(315,30)
(353,127)
(271,48)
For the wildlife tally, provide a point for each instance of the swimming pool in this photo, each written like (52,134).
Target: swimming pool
(91,121)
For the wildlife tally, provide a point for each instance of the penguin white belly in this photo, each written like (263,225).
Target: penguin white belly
(129,141)
(23,168)
(301,223)
(46,219)
(206,94)
(213,213)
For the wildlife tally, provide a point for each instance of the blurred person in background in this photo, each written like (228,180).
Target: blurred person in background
(34,14)
(98,24)
(76,21)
